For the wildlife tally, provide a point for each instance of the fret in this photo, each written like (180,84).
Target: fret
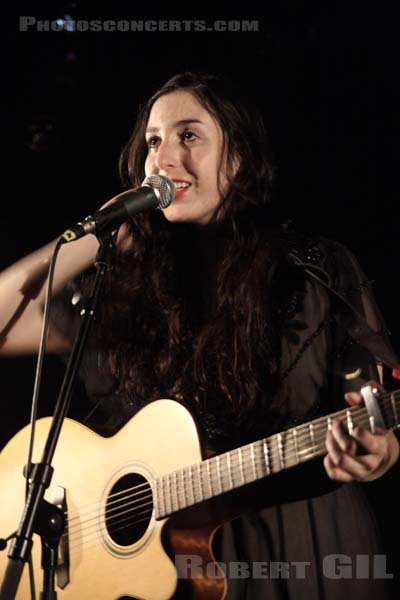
(304,450)
(228,462)
(394,408)
(191,486)
(256,457)
(200,481)
(312,436)
(350,424)
(160,496)
(280,452)
(168,500)
(296,449)
(164,502)
(247,467)
(266,456)
(175,490)
(219,479)
(253,461)
(240,457)
(275,454)
(185,502)
(209,478)
(203,479)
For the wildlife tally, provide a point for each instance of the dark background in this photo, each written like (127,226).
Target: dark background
(326,77)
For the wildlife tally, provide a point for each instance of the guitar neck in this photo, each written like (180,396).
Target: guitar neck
(223,473)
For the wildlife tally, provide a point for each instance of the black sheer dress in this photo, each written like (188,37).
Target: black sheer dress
(320,540)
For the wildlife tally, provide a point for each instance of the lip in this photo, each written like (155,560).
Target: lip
(180,181)
(180,192)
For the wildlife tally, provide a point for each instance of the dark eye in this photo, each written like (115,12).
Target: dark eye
(153,141)
(188,136)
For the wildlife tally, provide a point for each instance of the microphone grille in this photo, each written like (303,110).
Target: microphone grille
(163,186)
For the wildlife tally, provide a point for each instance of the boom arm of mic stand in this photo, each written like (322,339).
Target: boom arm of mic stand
(43,471)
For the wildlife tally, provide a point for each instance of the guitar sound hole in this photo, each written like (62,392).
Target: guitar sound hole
(128,509)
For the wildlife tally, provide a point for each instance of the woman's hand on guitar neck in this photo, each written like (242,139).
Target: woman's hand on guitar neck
(361,456)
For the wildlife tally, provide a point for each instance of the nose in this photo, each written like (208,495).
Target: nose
(167,155)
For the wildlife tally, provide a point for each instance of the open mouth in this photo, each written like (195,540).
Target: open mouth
(181,187)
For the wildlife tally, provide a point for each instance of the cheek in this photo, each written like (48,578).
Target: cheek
(214,178)
(148,166)
(203,170)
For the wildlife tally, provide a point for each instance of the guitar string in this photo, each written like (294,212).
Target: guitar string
(115,514)
(245,460)
(91,540)
(355,411)
(94,540)
(300,437)
(104,526)
(274,457)
(92,505)
(319,449)
(311,454)
(287,456)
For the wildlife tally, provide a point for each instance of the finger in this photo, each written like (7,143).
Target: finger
(345,441)
(372,443)
(333,449)
(351,468)
(345,462)
(353,398)
(334,471)
(371,462)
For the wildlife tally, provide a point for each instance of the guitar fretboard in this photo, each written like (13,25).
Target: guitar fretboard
(223,473)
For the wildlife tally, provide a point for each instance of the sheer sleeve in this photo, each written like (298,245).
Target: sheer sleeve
(320,358)
(353,363)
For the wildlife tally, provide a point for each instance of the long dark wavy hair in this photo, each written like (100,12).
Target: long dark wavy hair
(189,313)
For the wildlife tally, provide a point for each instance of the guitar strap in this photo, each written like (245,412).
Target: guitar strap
(355,322)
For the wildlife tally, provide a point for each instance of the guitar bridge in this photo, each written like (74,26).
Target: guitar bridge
(59,498)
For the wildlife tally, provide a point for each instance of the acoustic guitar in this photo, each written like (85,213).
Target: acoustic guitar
(140,499)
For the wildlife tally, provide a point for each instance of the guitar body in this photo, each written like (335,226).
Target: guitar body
(112,488)
(112,550)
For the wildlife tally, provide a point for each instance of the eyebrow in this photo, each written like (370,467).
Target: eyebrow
(176,124)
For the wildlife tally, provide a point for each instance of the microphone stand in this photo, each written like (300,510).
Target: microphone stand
(39,516)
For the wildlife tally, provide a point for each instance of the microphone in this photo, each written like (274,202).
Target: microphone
(157,191)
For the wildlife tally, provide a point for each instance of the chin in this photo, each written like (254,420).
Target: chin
(174,215)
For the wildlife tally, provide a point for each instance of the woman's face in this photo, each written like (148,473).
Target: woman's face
(185,143)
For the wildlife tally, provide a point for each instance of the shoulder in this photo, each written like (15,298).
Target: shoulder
(336,260)
(346,272)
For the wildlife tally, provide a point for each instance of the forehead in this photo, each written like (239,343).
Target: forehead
(179,106)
